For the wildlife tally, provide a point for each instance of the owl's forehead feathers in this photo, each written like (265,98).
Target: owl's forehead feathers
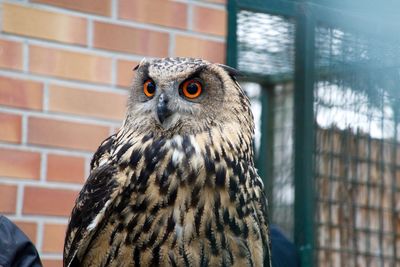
(167,67)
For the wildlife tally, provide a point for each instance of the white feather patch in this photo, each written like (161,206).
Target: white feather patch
(102,161)
(177,157)
(99,216)
(195,145)
(177,139)
(178,230)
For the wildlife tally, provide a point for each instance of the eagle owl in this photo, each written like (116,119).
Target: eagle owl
(176,185)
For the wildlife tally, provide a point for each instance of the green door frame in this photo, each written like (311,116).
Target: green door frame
(304,201)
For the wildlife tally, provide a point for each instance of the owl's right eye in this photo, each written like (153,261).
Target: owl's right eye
(149,88)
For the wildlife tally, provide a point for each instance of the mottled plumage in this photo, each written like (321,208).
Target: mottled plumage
(176,185)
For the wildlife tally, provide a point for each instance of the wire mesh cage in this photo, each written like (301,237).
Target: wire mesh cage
(265,43)
(329,73)
(356,106)
(266,47)
(282,208)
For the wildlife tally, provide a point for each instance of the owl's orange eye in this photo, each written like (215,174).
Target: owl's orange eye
(149,88)
(192,89)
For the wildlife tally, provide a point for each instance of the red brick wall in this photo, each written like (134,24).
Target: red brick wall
(65,69)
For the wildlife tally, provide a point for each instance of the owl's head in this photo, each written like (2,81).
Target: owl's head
(186,96)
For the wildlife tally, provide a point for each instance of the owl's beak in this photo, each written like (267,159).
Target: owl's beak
(163,112)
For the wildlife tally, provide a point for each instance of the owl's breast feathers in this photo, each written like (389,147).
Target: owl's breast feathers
(192,200)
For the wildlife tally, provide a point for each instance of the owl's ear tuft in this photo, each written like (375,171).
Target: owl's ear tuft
(142,62)
(234,73)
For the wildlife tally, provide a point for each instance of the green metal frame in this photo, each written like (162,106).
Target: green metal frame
(303,148)
(264,160)
(304,210)
(231,52)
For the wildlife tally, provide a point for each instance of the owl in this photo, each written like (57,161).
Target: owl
(176,185)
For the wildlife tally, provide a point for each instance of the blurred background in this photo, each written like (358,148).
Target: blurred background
(325,77)
(322,76)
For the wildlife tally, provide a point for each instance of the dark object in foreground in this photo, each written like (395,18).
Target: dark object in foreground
(15,247)
(284,253)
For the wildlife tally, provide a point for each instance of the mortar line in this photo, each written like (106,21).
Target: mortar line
(38,184)
(172,45)
(114,9)
(24,128)
(189,20)
(46,97)
(113,71)
(39,236)
(25,56)
(20,201)
(90,33)
(43,167)
(134,25)
(73,118)
(67,83)
(39,149)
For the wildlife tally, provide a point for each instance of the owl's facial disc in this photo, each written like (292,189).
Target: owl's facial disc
(182,95)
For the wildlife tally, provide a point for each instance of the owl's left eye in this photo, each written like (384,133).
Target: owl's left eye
(149,88)
(192,89)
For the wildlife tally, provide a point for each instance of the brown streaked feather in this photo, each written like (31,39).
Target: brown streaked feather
(100,188)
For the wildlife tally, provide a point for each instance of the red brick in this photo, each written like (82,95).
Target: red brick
(52,263)
(161,12)
(19,164)
(57,133)
(48,201)
(53,238)
(186,46)
(43,24)
(65,168)
(29,229)
(8,198)
(10,128)
(10,55)
(208,20)
(125,72)
(87,102)
(130,40)
(69,65)
(21,93)
(100,7)
(217,1)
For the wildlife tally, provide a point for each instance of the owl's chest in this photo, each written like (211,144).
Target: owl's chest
(184,207)
(178,230)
